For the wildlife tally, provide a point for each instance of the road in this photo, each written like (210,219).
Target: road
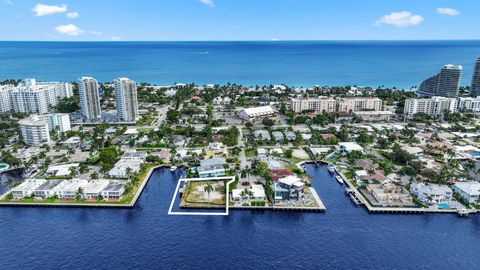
(243,158)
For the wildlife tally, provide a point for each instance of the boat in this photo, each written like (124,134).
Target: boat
(173,168)
(339,179)
(331,168)
(463,212)
(355,199)
(180,190)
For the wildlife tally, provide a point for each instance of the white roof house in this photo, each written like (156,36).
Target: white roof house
(470,191)
(114,190)
(258,193)
(120,168)
(468,149)
(431,193)
(414,150)
(94,188)
(262,152)
(26,188)
(291,180)
(347,147)
(132,160)
(70,188)
(61,170)
(248,114)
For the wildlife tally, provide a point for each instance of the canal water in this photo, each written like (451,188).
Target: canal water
(344,237)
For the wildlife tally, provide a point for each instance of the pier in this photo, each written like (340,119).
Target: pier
(351,189)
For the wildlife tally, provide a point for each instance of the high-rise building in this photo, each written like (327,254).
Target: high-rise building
(475,87)
(89,98)
(126,99)
(33,97)
(445,84)
(469,104)
(34,130)
(433,106)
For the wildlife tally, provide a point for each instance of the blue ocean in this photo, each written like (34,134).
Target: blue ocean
(299,63)
(145,237)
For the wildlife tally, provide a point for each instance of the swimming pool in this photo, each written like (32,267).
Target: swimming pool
(4,166)
(443,205)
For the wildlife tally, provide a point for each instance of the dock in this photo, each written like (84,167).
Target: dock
(353,191)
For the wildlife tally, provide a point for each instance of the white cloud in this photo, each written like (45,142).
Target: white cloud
(72,15)
(448,11)
(93,32)
(401,18)
(43,10)
(209,3)
(69,29)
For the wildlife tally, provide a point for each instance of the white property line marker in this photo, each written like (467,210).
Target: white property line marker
(231,178)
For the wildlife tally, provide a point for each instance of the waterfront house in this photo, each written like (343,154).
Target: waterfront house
(113,191)
(26,188)
(389,195)
(469,191)
(431,193)
(257,192)
(288,188)
(48,189)
(71,188)
(92,189)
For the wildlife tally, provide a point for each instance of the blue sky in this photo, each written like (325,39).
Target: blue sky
(91,20)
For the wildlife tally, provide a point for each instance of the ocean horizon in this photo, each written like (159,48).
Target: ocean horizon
(391,63)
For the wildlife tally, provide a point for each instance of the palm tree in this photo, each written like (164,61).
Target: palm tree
(79,194)
(73,171)
(208,188)
(128,171)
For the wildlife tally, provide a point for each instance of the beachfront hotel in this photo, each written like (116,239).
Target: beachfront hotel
(32,96)
(475,87)
(444,84)
(89,98)
(126,99)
